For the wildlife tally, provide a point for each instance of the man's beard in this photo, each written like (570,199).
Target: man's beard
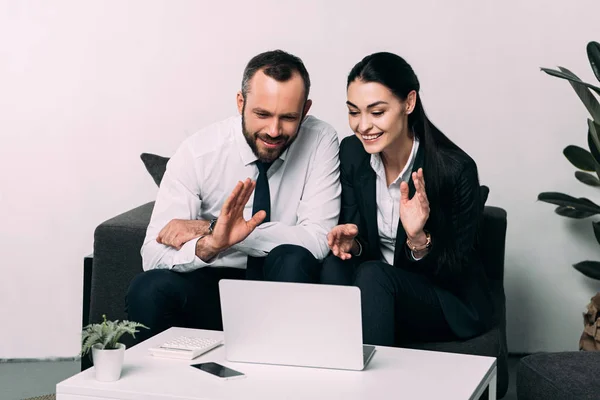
(267,155)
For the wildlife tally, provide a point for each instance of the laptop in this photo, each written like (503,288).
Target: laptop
(295,324)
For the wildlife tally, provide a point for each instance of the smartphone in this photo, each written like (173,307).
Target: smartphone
(219,371)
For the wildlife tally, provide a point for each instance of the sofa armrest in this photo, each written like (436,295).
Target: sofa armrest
(117,259)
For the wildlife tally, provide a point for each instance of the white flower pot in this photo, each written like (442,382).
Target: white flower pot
(108,363)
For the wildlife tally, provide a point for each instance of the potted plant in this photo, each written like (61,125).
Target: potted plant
(588,164)
(103,341)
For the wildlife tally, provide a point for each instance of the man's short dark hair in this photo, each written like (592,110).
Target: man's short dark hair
(278,65)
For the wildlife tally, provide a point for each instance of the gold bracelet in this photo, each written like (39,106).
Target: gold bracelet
(420,248)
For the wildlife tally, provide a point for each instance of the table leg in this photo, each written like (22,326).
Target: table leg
(87,290)
(492,385)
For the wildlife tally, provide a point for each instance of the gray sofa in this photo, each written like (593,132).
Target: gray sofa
(569,375)
(117,259)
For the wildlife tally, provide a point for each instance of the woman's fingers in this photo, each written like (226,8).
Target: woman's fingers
(351,230)
(419,181)
(338,252)
(425,201)
(339,240)
(420,192)
(424,204)
(335,250)
(403,192)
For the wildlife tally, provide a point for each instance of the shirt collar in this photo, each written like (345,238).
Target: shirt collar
(378,167)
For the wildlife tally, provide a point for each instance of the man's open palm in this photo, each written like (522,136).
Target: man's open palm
(231,227)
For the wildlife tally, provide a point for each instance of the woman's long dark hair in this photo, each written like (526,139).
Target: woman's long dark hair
(397,75)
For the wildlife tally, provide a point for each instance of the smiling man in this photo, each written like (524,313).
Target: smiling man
(250,197)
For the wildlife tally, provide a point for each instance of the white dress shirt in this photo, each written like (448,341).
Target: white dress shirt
(388,202)
(303,182)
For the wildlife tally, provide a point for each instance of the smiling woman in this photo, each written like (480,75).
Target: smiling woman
(410,215)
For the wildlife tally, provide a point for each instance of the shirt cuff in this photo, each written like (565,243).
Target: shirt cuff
(187,255)
(415,258)
(249,250)
(360,249)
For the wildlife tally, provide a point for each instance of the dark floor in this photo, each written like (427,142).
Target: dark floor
(20,380)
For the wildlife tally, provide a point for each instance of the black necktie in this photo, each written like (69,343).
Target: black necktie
(262,196)
(262,201)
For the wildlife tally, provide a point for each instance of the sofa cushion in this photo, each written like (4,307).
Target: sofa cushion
(566,375)
(489,344)
(484,193)
(117,259)
(155,165)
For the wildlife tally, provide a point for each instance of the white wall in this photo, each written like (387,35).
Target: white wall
(85,87)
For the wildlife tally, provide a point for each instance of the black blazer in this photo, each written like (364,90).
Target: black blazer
(463,290)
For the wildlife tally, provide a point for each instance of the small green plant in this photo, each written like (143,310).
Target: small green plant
(107,334)
(586,161)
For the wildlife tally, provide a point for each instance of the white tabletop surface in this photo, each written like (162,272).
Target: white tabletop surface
(393,373)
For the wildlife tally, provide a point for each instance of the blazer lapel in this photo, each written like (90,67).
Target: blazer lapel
(367,190)
(401,234)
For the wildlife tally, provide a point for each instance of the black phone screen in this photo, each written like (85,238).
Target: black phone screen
(218,370)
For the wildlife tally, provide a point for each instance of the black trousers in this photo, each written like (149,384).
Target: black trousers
(399,306)
(163,298)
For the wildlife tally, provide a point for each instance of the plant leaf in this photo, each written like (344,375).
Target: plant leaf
(593,52)
(586,178)
(590,203)
(89,338)
(593,151)
(570,212)
(560,199)
(110,339)
(107,333)
(570,78)
(596,226)
(591,269)
(585,95)
(594,133)
(580,158)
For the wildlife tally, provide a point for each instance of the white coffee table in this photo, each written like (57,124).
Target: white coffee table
(393,373)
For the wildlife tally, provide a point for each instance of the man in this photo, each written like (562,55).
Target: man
(211,221)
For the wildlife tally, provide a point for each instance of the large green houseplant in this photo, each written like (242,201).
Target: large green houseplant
(585,160)
(588,164)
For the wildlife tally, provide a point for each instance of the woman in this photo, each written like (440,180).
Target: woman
(411,208)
